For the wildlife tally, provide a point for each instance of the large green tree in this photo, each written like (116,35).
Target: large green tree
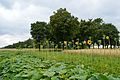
(87,31)
(39,32)
(97,31)
(64,26)
(111,31)
(97,23)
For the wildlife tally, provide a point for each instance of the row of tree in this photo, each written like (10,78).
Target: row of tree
(25,44)
(64,27)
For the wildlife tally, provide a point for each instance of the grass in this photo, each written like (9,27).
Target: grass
(105,63)
(108,52)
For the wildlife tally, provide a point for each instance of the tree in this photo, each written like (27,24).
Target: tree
(39,31)
(87,31)
(95,30)
(104,30)
(111,31)
(64,26)
(97,34)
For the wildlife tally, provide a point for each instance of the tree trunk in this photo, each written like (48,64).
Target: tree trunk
(103,46)
(39,46)
(82,46)
(110,46)
(89,46)
(114,46)
(93,46)
(107,46)
(98,46)
(63,45)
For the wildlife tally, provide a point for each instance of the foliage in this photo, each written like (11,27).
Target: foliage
(96,29)
(21,66)
(64,25)
(39,31)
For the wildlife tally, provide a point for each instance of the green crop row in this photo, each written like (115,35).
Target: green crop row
(33,65)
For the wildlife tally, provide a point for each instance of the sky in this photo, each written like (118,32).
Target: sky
(16,16)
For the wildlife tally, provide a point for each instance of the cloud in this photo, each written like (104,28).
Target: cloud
(9,39)
(16,21)
(17,15)
(6,3)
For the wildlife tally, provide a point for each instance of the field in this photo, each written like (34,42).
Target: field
(86,64)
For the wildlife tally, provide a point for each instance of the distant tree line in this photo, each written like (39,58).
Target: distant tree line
(25,44)
(65,31)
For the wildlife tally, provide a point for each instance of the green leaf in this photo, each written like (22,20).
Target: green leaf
(102,77)
(63,71)
(93,78)
(54,78)
(49,74)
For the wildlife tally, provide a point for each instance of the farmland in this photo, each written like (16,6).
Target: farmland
(30,64)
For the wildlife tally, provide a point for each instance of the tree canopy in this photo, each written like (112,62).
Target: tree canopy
(64,26)
(38,30)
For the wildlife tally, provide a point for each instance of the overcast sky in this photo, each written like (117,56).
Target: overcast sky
(17,15)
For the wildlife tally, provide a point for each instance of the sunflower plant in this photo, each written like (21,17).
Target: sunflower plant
(76,43)
(107,37)
(84,42)
(65,42)
(89,42)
